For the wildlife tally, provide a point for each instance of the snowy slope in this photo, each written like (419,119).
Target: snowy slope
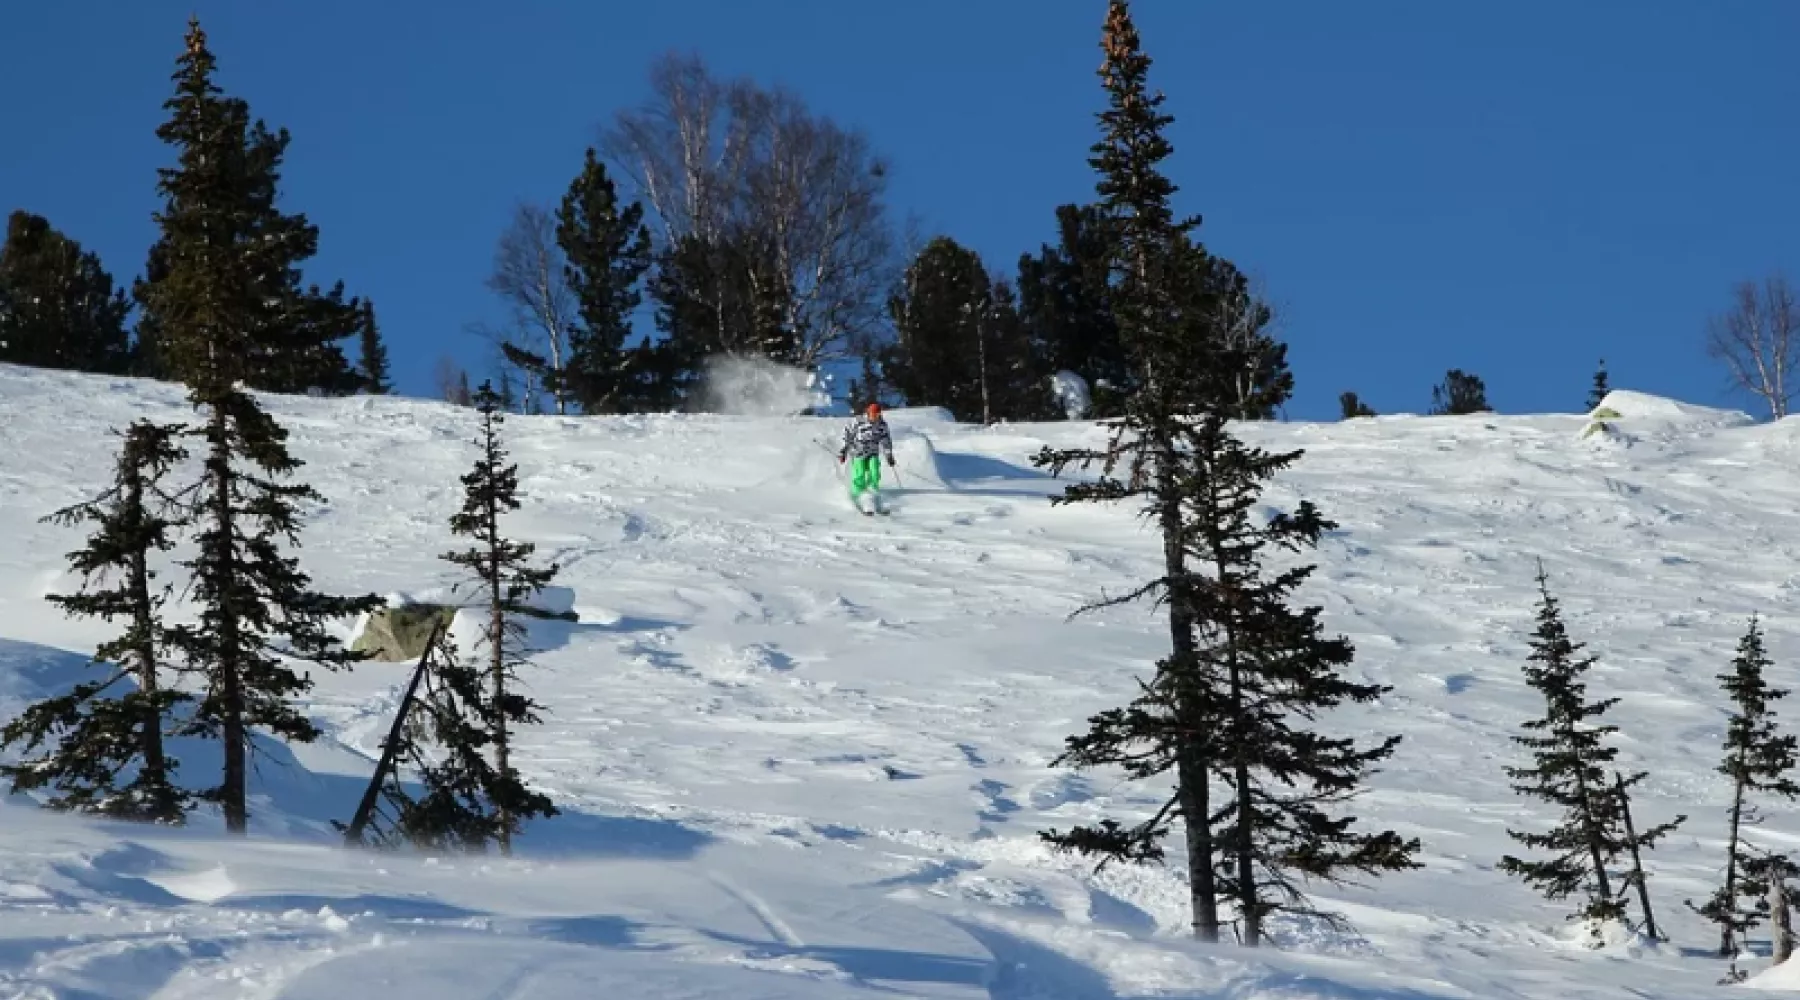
(803,753)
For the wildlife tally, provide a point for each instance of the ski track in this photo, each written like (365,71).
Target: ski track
(804,753)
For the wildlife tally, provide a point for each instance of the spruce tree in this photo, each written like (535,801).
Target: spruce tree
(94,733)
(505,581)
(1571,771)
(1065,304)
(1176,713)
(1597,394)
(1242,665)
(508,396)
(219,331)
(440,734)
(871,384)
(221,200)
(607,249)
(1275,673)
(374,366)
(58,307)
(719,297)
(1758,759)
(961,344)
(940,314)
(1352,407)
(468,802)
(1252,378)
(1015,367)
(1459,394)
(148,359)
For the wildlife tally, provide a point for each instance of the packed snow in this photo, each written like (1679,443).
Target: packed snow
(803,753)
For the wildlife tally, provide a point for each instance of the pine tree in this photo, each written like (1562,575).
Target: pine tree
(220,202)
(1758,759)
(961,344)
(607,249)
(1065,304)
(148,357)
(871,384)
(1175,714)
(1276,669)
(58,307)
(1572,760)
(1353,407)
(1241,665)
(1597,394)
(509,397)
(1253,378)
(374,367)
(97,733)
(719,297)
(506,580)
(940,314)
(440,733)
(1016,370)
(1459,394)
(216,327)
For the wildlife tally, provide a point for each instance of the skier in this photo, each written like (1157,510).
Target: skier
(865,438)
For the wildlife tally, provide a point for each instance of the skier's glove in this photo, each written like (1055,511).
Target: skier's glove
(840,458)
(890,459)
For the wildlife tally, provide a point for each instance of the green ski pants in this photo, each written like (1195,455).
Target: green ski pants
(865,474)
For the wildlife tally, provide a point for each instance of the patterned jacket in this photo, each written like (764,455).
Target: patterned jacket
(864,438)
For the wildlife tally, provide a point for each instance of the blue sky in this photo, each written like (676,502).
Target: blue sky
(1513,189)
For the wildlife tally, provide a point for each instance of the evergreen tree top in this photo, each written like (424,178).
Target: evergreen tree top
(197,63)
(1132,143)
(1757,753)
(1555,667)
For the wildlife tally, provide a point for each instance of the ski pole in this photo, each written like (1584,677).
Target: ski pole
(837,467)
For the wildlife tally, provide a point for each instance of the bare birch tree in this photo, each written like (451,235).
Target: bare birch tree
(677,151)
(1759,341)
(528,276)
(731,162)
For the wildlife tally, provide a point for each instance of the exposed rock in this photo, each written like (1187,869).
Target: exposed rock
(398,633)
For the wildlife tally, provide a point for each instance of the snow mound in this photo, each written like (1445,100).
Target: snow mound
(916,459)
(917,416)
(1643,409)
(1785,976)
(1625,418)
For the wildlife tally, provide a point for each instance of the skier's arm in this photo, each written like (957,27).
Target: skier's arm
(849,435)
(887,444)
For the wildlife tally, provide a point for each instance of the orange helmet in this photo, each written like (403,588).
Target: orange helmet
(874,410)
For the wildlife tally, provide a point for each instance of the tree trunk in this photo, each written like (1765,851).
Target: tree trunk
(390,748)
(1250,908)
(981,359)
(144,650)
(228,677)
(1596,851)
(497,666)
(1193,767)
(1196,807)
(1728,946)
(1780,919)
(1637,859)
